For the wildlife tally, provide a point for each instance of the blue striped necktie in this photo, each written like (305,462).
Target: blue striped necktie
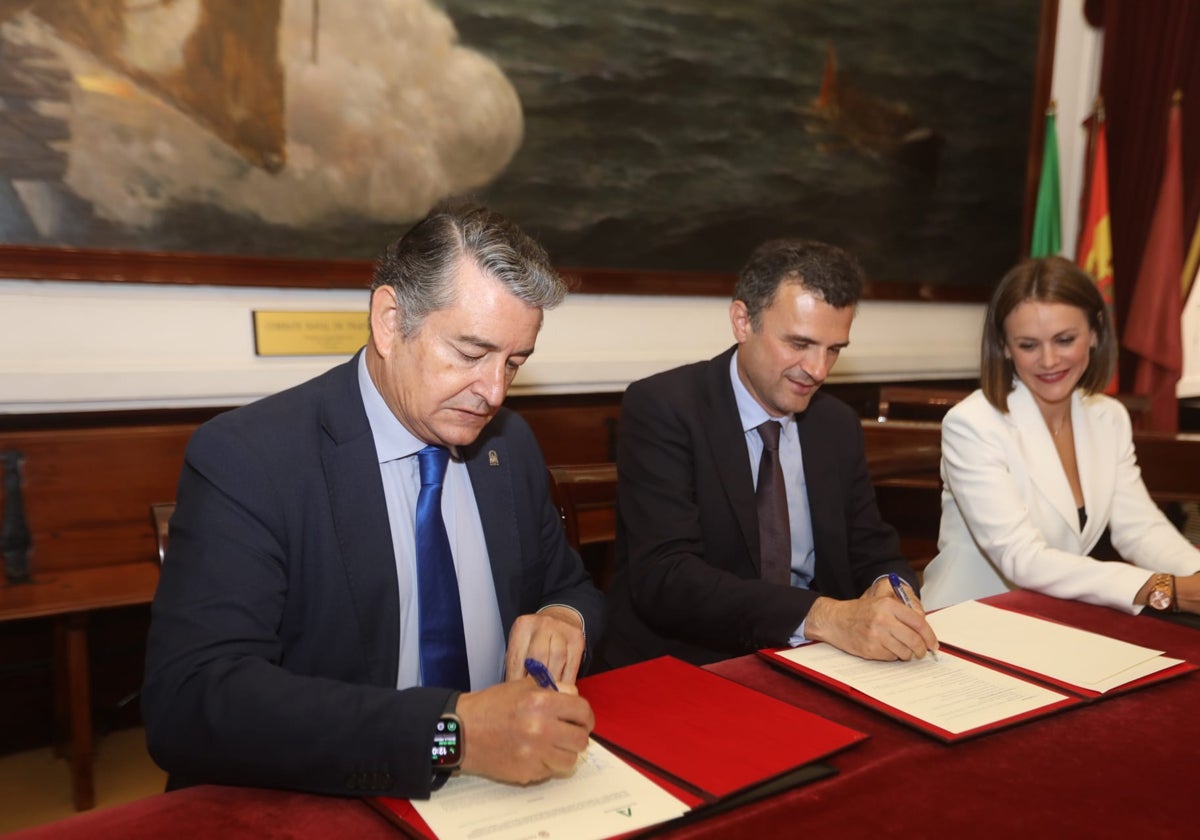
(443,643)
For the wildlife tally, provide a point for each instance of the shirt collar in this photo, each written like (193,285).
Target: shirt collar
(392,439)
(750,412)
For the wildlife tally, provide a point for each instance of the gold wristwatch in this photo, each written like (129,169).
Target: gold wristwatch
(1162,593)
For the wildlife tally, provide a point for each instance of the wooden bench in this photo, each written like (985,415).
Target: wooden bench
(912,402)
(88,481)
(908,402)
(160,521)
(586,497)
(69,597)
(905,455)
(85,493)
(1170,463)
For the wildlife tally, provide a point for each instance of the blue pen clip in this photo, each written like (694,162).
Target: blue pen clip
(898,587)
(539,673)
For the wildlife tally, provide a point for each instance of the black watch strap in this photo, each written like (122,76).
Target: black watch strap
(448,735)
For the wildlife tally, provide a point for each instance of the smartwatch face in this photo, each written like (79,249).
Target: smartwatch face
(447,745)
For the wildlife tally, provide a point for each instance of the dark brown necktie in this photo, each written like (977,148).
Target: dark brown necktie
(774,531)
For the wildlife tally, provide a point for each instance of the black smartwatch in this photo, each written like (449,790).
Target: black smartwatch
(447,748)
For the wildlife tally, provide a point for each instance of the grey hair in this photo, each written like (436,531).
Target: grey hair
(420,265)
(826,271)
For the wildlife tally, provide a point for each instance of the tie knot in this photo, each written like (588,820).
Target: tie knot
(433,460)
(769,432)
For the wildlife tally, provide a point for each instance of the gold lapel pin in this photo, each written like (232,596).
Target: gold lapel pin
(493,458)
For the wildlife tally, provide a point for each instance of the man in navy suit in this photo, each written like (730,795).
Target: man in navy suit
(690,579)
(284,647)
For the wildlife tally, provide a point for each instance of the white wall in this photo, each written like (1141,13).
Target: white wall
(95,346)
(1189,385)
(1077,54)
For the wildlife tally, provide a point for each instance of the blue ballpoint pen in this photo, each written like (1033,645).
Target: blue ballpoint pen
(898,587)
(539,673)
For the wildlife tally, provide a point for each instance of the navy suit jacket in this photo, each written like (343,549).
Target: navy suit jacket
(687,579)
(273,648)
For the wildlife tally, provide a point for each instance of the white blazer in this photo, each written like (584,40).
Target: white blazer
(1009,519)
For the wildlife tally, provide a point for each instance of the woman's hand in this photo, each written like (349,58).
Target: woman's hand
(1187,593)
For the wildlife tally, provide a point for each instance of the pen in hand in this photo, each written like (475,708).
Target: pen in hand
(898,587)
(539,673)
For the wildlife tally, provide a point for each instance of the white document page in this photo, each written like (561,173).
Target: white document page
(951,693)
(1142,669)
(1073,656)
(604,797)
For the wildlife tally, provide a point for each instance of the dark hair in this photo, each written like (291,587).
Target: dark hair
(825,270)
(1047,280)
(420,265)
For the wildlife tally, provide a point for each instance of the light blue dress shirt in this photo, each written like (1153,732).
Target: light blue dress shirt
(753,415)
(397,449)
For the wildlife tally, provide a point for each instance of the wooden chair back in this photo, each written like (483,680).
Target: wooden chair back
(586,498)
(905,402)
(160,519)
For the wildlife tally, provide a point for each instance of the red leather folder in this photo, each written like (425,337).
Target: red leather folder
(402,814)
(704,732)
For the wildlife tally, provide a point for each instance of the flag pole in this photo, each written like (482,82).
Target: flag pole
(1093,122)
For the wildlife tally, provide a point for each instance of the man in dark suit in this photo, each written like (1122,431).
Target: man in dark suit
(288,640)
(703,570)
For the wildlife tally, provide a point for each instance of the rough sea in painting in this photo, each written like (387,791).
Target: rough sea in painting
(680,133)
(649,134)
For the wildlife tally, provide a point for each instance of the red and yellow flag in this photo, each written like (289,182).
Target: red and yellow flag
(1094,251)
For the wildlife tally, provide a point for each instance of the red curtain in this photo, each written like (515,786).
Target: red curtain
(1150,50)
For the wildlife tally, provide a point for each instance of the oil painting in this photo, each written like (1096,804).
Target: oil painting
(640,135)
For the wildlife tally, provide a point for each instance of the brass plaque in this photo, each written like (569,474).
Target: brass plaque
(309,333)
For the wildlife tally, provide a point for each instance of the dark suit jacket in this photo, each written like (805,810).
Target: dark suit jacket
(273,648)
(687,576)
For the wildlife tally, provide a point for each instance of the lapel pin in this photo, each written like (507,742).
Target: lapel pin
(493,458)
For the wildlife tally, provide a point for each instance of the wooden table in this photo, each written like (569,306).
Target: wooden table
(69,597)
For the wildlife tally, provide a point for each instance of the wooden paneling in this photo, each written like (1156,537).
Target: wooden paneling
(577,429)
(87,491)
(89,481)
(1170,464)
(586,496)
(908,489)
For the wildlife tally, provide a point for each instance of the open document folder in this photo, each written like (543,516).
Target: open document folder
(672,742)
(996,668)
(604,797)
(1083,662)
